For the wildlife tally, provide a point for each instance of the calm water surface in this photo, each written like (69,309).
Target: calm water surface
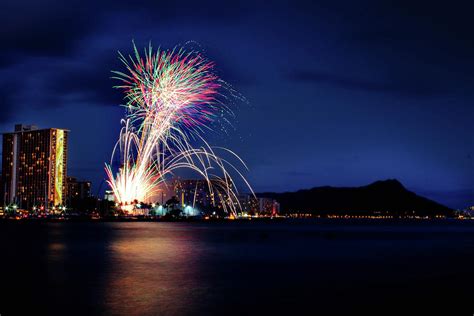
(238,268)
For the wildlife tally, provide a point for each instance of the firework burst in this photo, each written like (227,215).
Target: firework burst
(170,96)
(170,88)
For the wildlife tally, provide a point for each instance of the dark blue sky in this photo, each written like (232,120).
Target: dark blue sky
(340,92)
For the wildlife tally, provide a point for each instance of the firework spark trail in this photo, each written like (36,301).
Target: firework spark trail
(171,95)
(136,179)
(171,87)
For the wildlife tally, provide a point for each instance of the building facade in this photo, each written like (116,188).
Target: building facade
(77,190)
(192,192)
(268,206)
(109,196)
(34,166)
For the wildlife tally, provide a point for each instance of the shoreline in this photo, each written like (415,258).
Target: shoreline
(227,220)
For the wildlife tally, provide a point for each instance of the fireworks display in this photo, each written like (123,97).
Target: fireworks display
(172,96)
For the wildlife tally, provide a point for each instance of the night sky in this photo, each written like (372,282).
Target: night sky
(339,93)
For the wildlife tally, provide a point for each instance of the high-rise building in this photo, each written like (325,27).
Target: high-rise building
(268,206)
(191,192)
(109,196)
(77,190)
(34,166)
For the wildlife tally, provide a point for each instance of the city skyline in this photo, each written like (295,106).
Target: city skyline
(334,99)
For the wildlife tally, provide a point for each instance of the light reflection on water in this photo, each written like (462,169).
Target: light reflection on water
(277,268)
(155,269)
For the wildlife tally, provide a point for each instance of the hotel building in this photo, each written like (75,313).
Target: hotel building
(34,166)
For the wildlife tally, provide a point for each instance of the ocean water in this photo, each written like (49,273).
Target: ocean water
(294,267)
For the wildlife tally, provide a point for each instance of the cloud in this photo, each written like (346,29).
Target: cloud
(402,87)
(55,52)
(55,27)
(411,48)
(88,81)
(50,82)
(42,28)
(6,93)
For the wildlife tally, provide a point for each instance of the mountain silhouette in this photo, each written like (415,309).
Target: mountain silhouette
(381,197)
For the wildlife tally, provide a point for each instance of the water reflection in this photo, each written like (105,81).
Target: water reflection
(155,270)
(77,260)
(263,268)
